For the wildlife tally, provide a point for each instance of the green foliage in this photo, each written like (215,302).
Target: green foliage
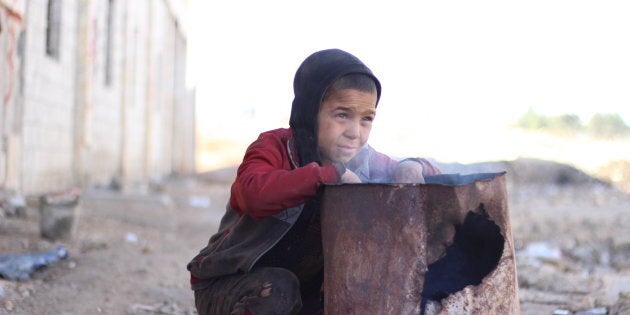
(566,122)
(607,126)
(532,120)
(600,125)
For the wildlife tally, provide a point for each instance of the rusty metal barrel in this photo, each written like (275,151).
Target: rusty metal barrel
(444,247)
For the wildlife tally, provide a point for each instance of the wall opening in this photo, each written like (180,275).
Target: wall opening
(109,42)
(53,28)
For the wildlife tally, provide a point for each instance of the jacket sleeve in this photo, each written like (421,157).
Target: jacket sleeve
(265,184)
(382,166)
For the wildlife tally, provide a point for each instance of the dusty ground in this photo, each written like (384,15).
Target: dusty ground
(130,249)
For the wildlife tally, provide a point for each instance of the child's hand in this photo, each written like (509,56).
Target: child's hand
(409,172)
(350,177)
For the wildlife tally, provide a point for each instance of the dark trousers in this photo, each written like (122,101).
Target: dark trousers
(264,290)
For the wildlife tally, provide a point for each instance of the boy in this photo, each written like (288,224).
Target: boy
(267,256)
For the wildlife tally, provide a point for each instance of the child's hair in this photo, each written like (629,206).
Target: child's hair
(354,81)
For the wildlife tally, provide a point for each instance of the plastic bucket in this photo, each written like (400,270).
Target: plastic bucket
(59,215)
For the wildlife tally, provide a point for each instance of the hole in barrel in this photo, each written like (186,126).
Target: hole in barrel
(474,253)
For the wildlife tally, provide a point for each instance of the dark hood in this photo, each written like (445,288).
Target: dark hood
(312,79)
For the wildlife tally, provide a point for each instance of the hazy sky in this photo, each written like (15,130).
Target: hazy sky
(447,65)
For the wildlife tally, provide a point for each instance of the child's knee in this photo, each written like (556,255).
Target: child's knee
(281,278)
(279,293)
(281,284)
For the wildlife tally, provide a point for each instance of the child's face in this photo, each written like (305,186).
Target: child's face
(344,122)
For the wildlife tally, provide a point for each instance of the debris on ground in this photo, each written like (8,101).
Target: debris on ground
(21,266)
(199,202)
(11,204)
(165,307)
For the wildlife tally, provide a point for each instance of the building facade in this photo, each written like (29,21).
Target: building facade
(96,92)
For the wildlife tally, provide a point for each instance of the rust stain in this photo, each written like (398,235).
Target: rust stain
(12,25)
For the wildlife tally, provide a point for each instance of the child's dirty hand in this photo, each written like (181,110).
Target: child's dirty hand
(409,172)
(350,177)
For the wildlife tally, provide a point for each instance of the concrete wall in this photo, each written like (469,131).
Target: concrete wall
(161,51)
(136,92)
(49,98)
(76,128)
(106,115)
(183,130)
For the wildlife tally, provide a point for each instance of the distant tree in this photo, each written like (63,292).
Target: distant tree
(532,120)
(608,126)
(600,125)
(567,123)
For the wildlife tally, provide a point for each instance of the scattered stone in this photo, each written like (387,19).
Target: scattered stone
(131,238)
(157,186)
(147,249)
(115,184)
(542,250)
(622,306)
(24,292)
(142,307)
(17,201)
(620,252)
(11,203)
(165,307)
(618,172)
(542,297)
(89,246)
(26,212)
(551,279)
(199,202)
(592,254)
(8,305)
